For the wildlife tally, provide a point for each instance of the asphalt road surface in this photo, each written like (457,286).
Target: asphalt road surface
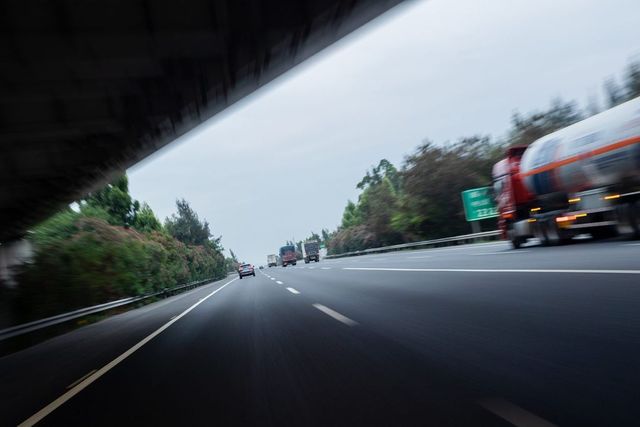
(469,335)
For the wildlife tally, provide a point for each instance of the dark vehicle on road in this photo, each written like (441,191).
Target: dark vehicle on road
(288,255)
(311,251)
(246,270)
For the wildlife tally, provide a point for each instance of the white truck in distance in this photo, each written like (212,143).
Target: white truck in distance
(272,260)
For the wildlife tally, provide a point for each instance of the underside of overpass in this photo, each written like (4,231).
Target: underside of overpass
(90,87)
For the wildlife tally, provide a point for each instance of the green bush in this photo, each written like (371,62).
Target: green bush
(81,261)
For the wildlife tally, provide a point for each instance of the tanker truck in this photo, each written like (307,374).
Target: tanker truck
(582,179)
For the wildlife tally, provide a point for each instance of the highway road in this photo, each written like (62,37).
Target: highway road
(468,335)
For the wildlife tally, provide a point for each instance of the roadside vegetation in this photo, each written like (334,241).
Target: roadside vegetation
(110,246)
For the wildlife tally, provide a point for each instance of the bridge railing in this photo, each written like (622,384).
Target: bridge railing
(445,241)
(65,317)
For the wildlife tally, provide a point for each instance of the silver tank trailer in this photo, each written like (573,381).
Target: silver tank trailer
(600,151)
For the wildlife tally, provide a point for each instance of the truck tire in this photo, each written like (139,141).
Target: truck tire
(604,232)
(555,234)
(543,233)
(516,241)
(634,218)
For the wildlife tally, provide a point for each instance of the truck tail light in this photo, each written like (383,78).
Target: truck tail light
(566,218)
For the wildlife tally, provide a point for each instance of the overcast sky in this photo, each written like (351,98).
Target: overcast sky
(284,161)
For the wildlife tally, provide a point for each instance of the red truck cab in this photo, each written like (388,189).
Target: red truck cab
(288,255)
(512,198)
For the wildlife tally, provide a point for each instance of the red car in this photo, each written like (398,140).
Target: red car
(246,270)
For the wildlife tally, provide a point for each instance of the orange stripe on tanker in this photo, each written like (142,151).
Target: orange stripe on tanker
(607,148)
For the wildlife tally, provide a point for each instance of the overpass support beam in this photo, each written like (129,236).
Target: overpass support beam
(13,254)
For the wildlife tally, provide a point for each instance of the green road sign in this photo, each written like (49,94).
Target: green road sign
(478,204)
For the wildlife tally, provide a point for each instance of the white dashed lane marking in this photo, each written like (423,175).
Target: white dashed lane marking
(514,414)
(332,313)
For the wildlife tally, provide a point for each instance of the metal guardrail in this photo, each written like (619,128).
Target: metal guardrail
(465,238)
(65,317)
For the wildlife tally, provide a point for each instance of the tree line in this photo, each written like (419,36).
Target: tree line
(110,246)
(421,199)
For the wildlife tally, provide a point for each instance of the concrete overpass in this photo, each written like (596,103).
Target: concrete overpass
(90,87)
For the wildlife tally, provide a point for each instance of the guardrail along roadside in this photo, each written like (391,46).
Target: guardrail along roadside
(59,319)
(445,241)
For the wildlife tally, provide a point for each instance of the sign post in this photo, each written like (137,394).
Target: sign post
(478,204)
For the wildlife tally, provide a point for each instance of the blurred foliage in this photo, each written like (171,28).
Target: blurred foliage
(617,93)
(527,128)
(146,220)
(112,247)
(186,227)
(231,263)
(115,200)
(421,201)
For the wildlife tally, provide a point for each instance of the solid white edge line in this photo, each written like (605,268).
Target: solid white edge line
(293,291)
(501,253)
(38,416)
(332,313)
(79,380)
(279,282)
(514,414)
(488,270)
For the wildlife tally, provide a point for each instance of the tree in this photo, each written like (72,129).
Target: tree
(613,92)
(314,236)
(115,200)
(146,221)
(385,169)
(630,88)
(351,216)
(433,177)
(326,236)
(187,227)
(632,80)
(526,129)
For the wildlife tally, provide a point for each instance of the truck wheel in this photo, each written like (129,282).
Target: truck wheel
(516,241)
(556,235)
(604,232)
(306,261)
(543,233)
(634,219)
